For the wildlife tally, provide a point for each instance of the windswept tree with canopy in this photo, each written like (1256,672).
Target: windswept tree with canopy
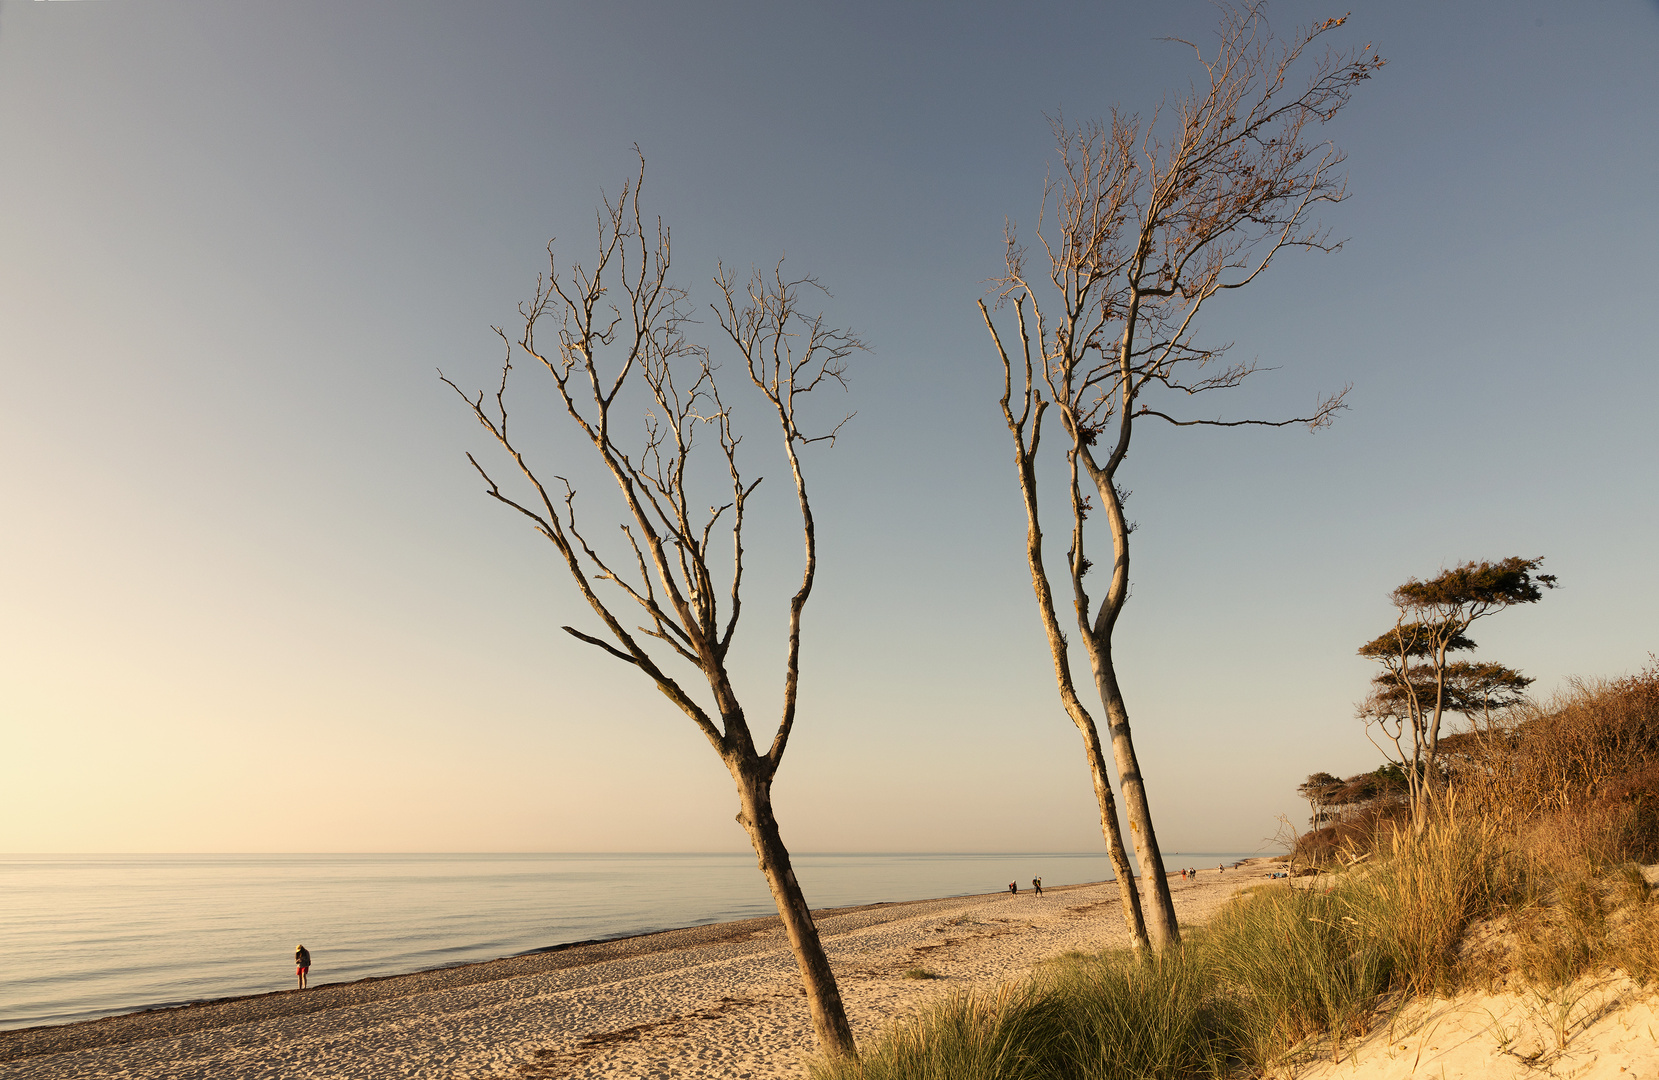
(1144,222)
(1420,682)
(1318,789)
(1476,689)
(619,343)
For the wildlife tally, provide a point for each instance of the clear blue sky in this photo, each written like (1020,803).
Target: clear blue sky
(255,600)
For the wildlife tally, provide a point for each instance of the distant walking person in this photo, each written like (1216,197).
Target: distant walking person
(1037,885)
(1013,888)
(302,964)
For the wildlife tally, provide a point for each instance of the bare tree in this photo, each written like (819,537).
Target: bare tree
(1420,682)
(1142,226)
(621,337)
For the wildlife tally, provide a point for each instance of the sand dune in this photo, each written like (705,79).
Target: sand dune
(1602,1028)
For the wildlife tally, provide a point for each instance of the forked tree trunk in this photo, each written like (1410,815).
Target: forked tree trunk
(1157,904)
(829,1017)
(1128,894)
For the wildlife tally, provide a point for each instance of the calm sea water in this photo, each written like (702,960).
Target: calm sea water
(83,936)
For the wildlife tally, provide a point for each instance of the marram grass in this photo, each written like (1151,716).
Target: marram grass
(1100,1018)
(1277,974)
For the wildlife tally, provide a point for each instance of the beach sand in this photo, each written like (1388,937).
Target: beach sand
(714,1001)
(1602,1027)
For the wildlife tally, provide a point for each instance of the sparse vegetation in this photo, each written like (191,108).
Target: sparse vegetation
(1119,1014)
(1524,878)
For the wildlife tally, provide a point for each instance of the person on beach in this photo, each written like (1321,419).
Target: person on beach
(1037,885)
(1013,888)
(302,963)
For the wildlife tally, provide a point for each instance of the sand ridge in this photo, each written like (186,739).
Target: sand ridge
(715,1001)
(1599,1028)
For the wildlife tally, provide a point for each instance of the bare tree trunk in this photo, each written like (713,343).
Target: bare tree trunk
(1423,768)
(829,1017)
(1422,803)
(1158,904)
(1432,780)
(1128,892)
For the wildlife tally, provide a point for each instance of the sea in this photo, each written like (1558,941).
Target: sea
(84,936)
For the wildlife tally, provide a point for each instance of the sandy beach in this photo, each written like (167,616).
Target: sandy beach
(713,1001)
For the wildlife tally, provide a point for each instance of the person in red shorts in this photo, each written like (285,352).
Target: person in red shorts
(302,964)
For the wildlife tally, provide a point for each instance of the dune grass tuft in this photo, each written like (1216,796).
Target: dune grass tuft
(1090,1017)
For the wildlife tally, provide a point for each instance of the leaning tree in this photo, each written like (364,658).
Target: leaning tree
(619,343)
(1420,681)
(1142,224)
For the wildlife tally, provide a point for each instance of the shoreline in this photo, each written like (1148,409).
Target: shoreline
(570,1005)
(537,911)
(592,951)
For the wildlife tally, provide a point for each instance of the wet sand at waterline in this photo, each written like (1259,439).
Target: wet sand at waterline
(711,1001)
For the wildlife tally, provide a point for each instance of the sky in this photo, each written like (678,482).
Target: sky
(253,598)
